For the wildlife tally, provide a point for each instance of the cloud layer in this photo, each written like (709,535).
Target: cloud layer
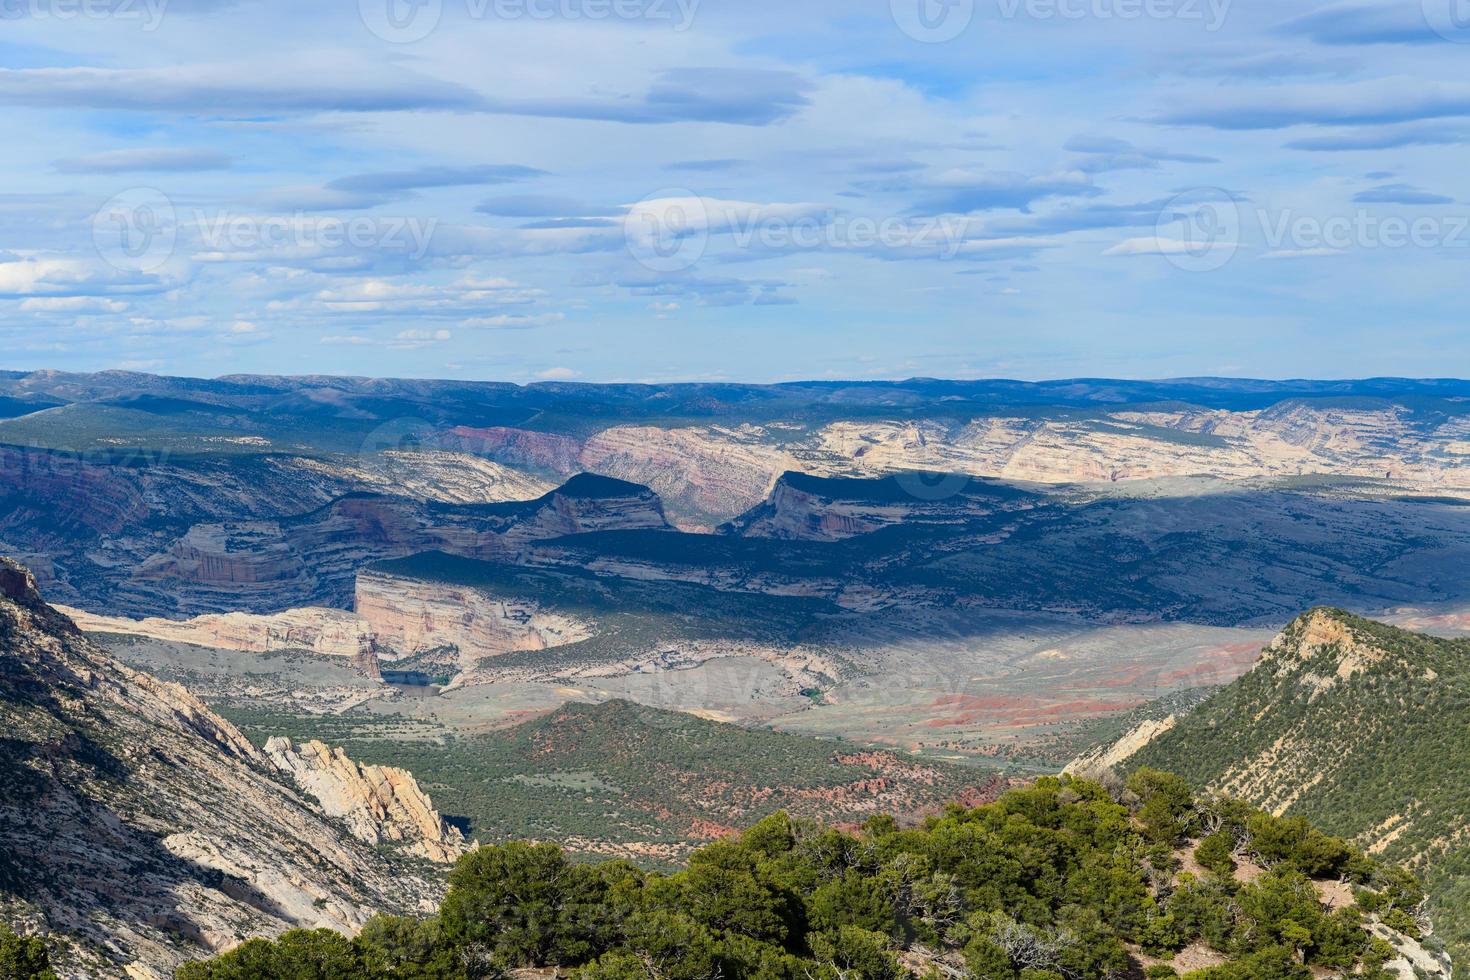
(756,190)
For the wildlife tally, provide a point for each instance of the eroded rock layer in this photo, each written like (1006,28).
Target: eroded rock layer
(379,804)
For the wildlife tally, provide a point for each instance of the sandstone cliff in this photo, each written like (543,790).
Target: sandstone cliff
(379,804)
(411,616)
(143,829)
(711,474)
(708,474)
(328,632)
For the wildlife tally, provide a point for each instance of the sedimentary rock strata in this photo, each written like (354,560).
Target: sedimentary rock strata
(410,616)
(379,804)
(328,632)
(312,559)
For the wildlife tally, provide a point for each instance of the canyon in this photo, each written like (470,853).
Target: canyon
(907,582)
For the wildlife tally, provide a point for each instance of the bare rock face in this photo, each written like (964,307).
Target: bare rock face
(1414,958)
(710,474)
(143,830)
(328,632)
(538,451)
(1103,759)
(379,804)
(411,616)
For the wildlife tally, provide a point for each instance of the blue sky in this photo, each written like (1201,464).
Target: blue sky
(736,189)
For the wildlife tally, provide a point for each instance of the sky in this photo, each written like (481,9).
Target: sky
(660,190)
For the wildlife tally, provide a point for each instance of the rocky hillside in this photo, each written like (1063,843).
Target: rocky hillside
(143,829)
(1357,726)
(268,566)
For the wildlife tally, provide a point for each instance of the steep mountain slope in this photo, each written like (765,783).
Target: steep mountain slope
(1358,726)
(146,829)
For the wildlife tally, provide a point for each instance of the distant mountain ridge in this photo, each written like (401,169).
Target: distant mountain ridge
(707,398)
(277,447)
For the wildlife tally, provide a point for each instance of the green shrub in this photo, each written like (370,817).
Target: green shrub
(1051,881)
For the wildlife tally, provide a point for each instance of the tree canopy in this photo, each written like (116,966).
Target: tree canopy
(1055,881)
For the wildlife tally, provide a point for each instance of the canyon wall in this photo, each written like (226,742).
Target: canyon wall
(410,616)
(269,566)
(328,632)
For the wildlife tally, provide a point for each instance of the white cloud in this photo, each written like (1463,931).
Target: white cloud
(73,304)
(1159,245)
(160,160)
(307,82)
(1302,253)
(512,321)
(52,275)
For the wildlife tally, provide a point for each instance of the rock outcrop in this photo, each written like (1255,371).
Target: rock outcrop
(328,632)
(411,616)
(708,474)
(141,829)
(379,804)
(1103,759)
